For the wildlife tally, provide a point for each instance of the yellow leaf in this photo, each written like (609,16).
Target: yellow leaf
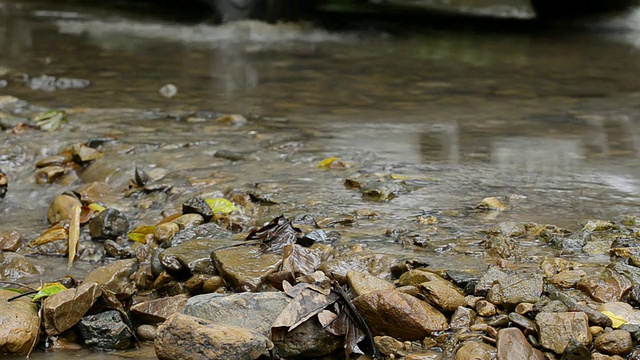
(323,164)
(140,233)
(48,289)
(97,208)
(615,318)
(220,205)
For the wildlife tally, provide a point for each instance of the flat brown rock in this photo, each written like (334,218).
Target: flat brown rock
(392,313)
(556,329)
(512,345)
(63,310)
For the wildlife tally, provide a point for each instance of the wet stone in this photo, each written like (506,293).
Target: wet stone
(389,346)
(399,315)
(488,278)
(106,330)
(442,293)
(20,324)
(363,283)
(188,221)
(309,340)
(523,322)
(475,350)
(575,350)
(463,280)
(158,310)
(616,342)
(556,329)
(115,277)
(606,287)
(199,232)
(513,345)
(255,311)
(245,268)
(10,241)
(622,310)
(192,257)
(115,250)
(187,337)
(520,287)
(109,224)
(57,160)
(567,279)
(146,332)
(14,266)
(49,174)
(60,208)
(63,310)
(165,231)
(462,318)
(197,205)
(485,308)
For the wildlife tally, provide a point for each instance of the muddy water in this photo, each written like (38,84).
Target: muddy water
(545,116)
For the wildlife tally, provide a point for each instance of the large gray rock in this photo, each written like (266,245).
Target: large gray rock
(63,310)
(106,330)
(556,329)
(19,324)
(512,345)
(189,338)
(392,313)
(258,311)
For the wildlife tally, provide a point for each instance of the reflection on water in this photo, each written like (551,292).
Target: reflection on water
(545,116)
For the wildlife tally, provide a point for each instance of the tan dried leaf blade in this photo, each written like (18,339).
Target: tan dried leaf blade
(306,303)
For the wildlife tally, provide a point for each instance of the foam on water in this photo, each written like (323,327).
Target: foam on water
(237,32)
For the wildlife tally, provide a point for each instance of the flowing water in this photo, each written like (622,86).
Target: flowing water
(544,116)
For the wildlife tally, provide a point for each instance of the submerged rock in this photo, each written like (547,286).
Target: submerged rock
(106,330)
(186,337)
(399,315)
(20,324)
(375,264)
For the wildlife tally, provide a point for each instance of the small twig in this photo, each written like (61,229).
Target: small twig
(22,295)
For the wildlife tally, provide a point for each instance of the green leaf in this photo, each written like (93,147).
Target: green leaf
(325,163)
(48,289)
(220,205)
